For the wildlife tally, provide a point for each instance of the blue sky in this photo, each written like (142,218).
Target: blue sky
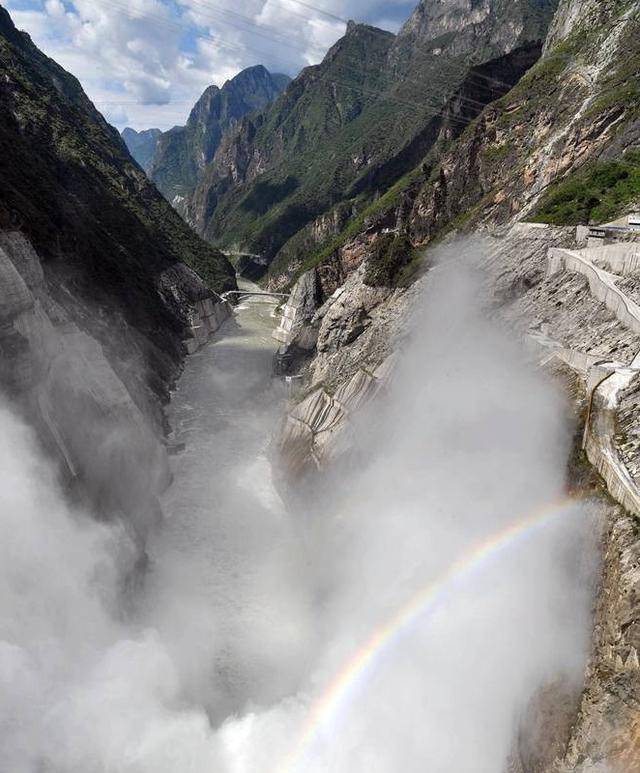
(145,62)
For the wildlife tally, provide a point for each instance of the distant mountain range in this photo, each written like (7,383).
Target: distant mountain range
(142,145)
(176,159)
(346,130)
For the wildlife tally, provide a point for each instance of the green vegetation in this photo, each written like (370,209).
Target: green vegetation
(350,128)
(266,194)
(389,256)
(494,154)
(622,97)
(183,151)
(70,185)
(356,224)
(597,193)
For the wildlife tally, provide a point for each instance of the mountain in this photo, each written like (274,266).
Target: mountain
(99,299)
(562,147)
(347,129)
(504,193)
(70,185)
(142,145)
(184,151)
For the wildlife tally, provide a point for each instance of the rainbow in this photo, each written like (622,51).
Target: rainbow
(356,670)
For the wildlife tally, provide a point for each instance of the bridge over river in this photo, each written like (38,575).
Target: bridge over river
(252,293)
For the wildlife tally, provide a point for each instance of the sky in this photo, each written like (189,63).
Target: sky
(144,63)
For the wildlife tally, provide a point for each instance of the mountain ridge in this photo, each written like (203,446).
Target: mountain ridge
(183,152)
(142,145)
(358,135)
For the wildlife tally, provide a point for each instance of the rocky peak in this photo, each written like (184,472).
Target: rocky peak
(142,145)
(355,36)
(250,89)
(204,106)
(489,27)
(574,14)
(184,151)
(8,30)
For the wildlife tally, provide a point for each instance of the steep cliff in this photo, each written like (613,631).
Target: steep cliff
(183,152)
(98,302)
(142,145)
(561,147)
(348,129)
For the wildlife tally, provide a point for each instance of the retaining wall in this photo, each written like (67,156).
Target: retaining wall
(600,430)
(206,317)
(284,330)
(622,258)
(600,447)
(601,283)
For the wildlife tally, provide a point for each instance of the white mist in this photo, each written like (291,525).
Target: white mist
(227,669)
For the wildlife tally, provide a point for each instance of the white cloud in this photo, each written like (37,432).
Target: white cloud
(145,62)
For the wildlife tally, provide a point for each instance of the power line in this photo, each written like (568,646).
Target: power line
(175,24)
(387,97)
(329,14)
(430,107)
(250,19)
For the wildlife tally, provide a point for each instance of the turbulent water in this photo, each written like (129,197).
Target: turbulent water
(401,621)
(221,566)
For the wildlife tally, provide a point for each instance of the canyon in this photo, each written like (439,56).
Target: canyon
(417,538)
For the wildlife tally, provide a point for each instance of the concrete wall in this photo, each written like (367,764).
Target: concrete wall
(600,446)
(622,258)
(599,436)
(578,361)
(283,332)
(206,317)
(601,283)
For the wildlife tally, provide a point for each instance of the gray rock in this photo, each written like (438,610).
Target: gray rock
(104,433)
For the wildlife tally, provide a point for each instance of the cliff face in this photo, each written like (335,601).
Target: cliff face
(98,304)
(274,172)
(539,152)
(348,129)
(183,152)
(454,28)
(562,147)
(142,145)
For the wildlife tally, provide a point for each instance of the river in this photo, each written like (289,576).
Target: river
(221,589)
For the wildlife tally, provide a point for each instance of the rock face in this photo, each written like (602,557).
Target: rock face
(102,231)
(315,434)
(341,134)
(561,316)
(607,735)
(555,148)
(142,145)
(94,411)
(97,303)
(182,153)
